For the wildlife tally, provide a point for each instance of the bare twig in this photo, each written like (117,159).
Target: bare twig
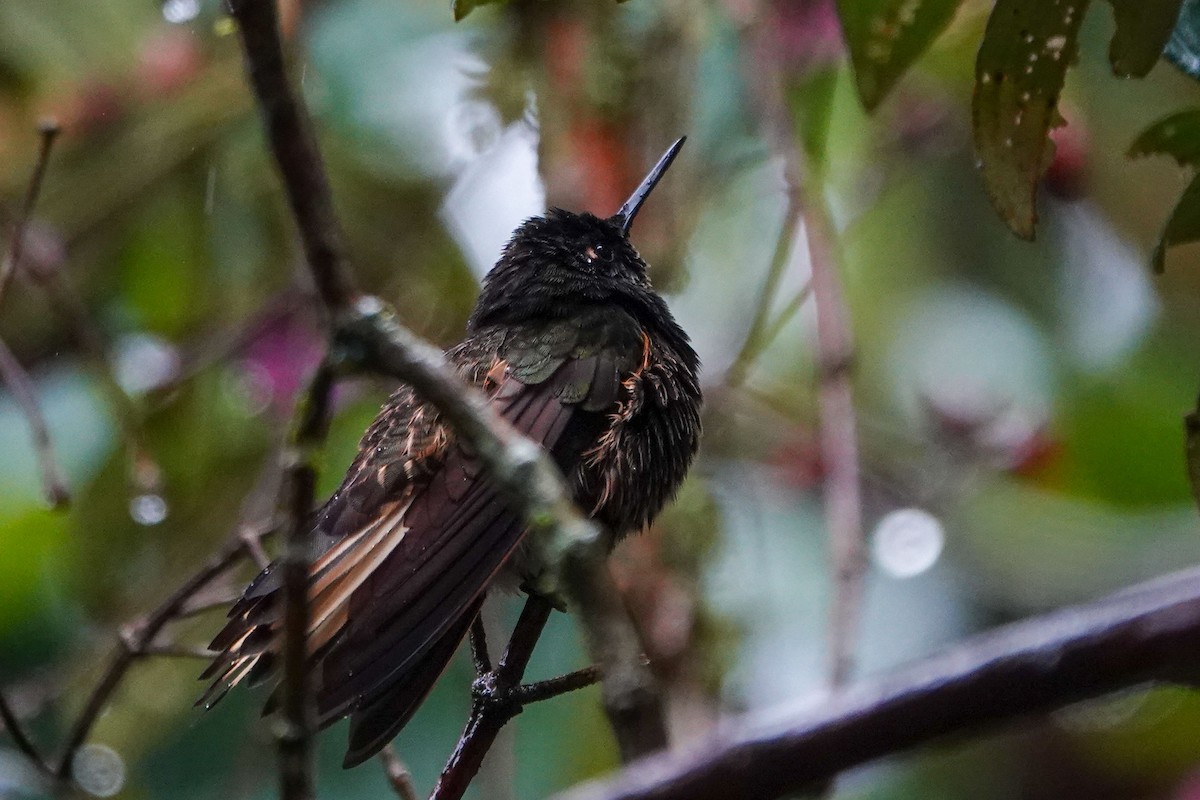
(757,336)
(397,774)
(838,435)
(139,635)
(479,648)
(21,386)
(21,739)
(528,693)
(12,258)
(1151,632)
(53,484)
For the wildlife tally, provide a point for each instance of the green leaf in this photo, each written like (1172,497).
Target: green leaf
(1143,28)
(1177,136)
(1019,75)
(460,8)
(885,37)
(1183,49)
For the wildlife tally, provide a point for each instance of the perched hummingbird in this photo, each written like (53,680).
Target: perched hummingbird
(573,347)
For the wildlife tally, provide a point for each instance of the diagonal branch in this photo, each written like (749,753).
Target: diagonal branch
(12,258)
(21,739)
(140,634)
(1146,633)
(17,380)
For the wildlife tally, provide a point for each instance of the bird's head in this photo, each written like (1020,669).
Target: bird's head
(554,263)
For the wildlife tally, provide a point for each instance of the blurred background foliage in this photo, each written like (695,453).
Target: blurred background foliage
(1019,404)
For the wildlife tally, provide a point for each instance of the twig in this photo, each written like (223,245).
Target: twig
(528,693)
(479,648)
(48,130)
(756,336)
(53,484)
(21,386)
(295,731)
(17,732)
(397,774)
(176,651)
(1151,632)
(838,436)
(290,136)
(137,636)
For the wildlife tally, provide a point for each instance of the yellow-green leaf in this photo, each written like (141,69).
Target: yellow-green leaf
(1019,76)
(885,37)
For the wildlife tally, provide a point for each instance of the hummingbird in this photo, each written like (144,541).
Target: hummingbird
(572,346)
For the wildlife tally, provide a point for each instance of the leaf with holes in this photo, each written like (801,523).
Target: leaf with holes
(1019,76)
(1183,49)
(885,37)
(1143,28)
(1177,136)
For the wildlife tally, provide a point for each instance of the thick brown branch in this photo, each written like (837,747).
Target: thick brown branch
(1150,632)
(290,137)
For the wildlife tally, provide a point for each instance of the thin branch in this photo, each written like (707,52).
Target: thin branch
(290,136)
(294,734)
(838,434)
(397,774)
(48,130)
(21,386)
(176,651)
(1150,632)
(757,337)
(140,634)
(21,739)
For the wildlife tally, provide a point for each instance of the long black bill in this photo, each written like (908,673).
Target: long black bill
(634,203)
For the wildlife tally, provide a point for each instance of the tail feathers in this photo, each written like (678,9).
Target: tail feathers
(378,722)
